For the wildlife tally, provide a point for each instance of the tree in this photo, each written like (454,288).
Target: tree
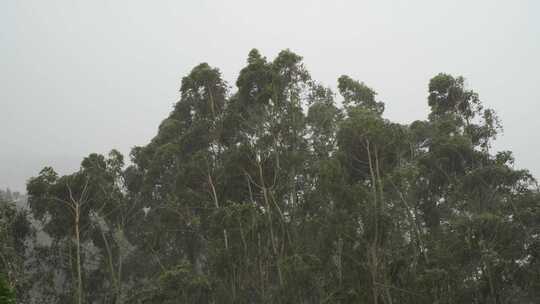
(77,211)
(274,193)
(15,234)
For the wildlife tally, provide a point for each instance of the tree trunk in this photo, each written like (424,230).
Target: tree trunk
(269,216)
(78,244)
(216,203)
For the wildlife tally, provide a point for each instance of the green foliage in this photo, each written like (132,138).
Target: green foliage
(273,193)
(7,294)
(16,236)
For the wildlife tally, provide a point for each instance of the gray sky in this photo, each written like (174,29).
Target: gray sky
(86,76)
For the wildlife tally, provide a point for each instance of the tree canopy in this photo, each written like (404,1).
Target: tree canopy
(283,191)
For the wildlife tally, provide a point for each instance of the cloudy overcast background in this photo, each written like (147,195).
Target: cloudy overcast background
(78,77)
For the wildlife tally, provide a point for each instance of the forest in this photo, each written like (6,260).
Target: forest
(280,190)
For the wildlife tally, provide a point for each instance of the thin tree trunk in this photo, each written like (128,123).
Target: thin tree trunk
(120,261)
(372,251)
(388,295)
(269,216)
(111,265)
(216,203)
(78,243)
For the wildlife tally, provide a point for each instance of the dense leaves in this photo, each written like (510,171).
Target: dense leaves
(279,191)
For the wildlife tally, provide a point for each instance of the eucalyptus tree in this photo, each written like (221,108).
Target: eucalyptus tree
(182,176)
(380,197)
(468,201)
(272,192)
(113,216)
(76,211)
(61,204)
(372,152)
(270,140)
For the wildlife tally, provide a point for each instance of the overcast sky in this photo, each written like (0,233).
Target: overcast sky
(78,77)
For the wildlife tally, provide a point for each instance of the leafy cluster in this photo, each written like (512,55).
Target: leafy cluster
(281,192)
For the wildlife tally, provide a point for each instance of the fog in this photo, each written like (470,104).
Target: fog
(87,76)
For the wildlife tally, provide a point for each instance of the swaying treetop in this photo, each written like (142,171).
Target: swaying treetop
(271,192)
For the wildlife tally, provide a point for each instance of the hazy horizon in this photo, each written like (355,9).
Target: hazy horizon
(84,77)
